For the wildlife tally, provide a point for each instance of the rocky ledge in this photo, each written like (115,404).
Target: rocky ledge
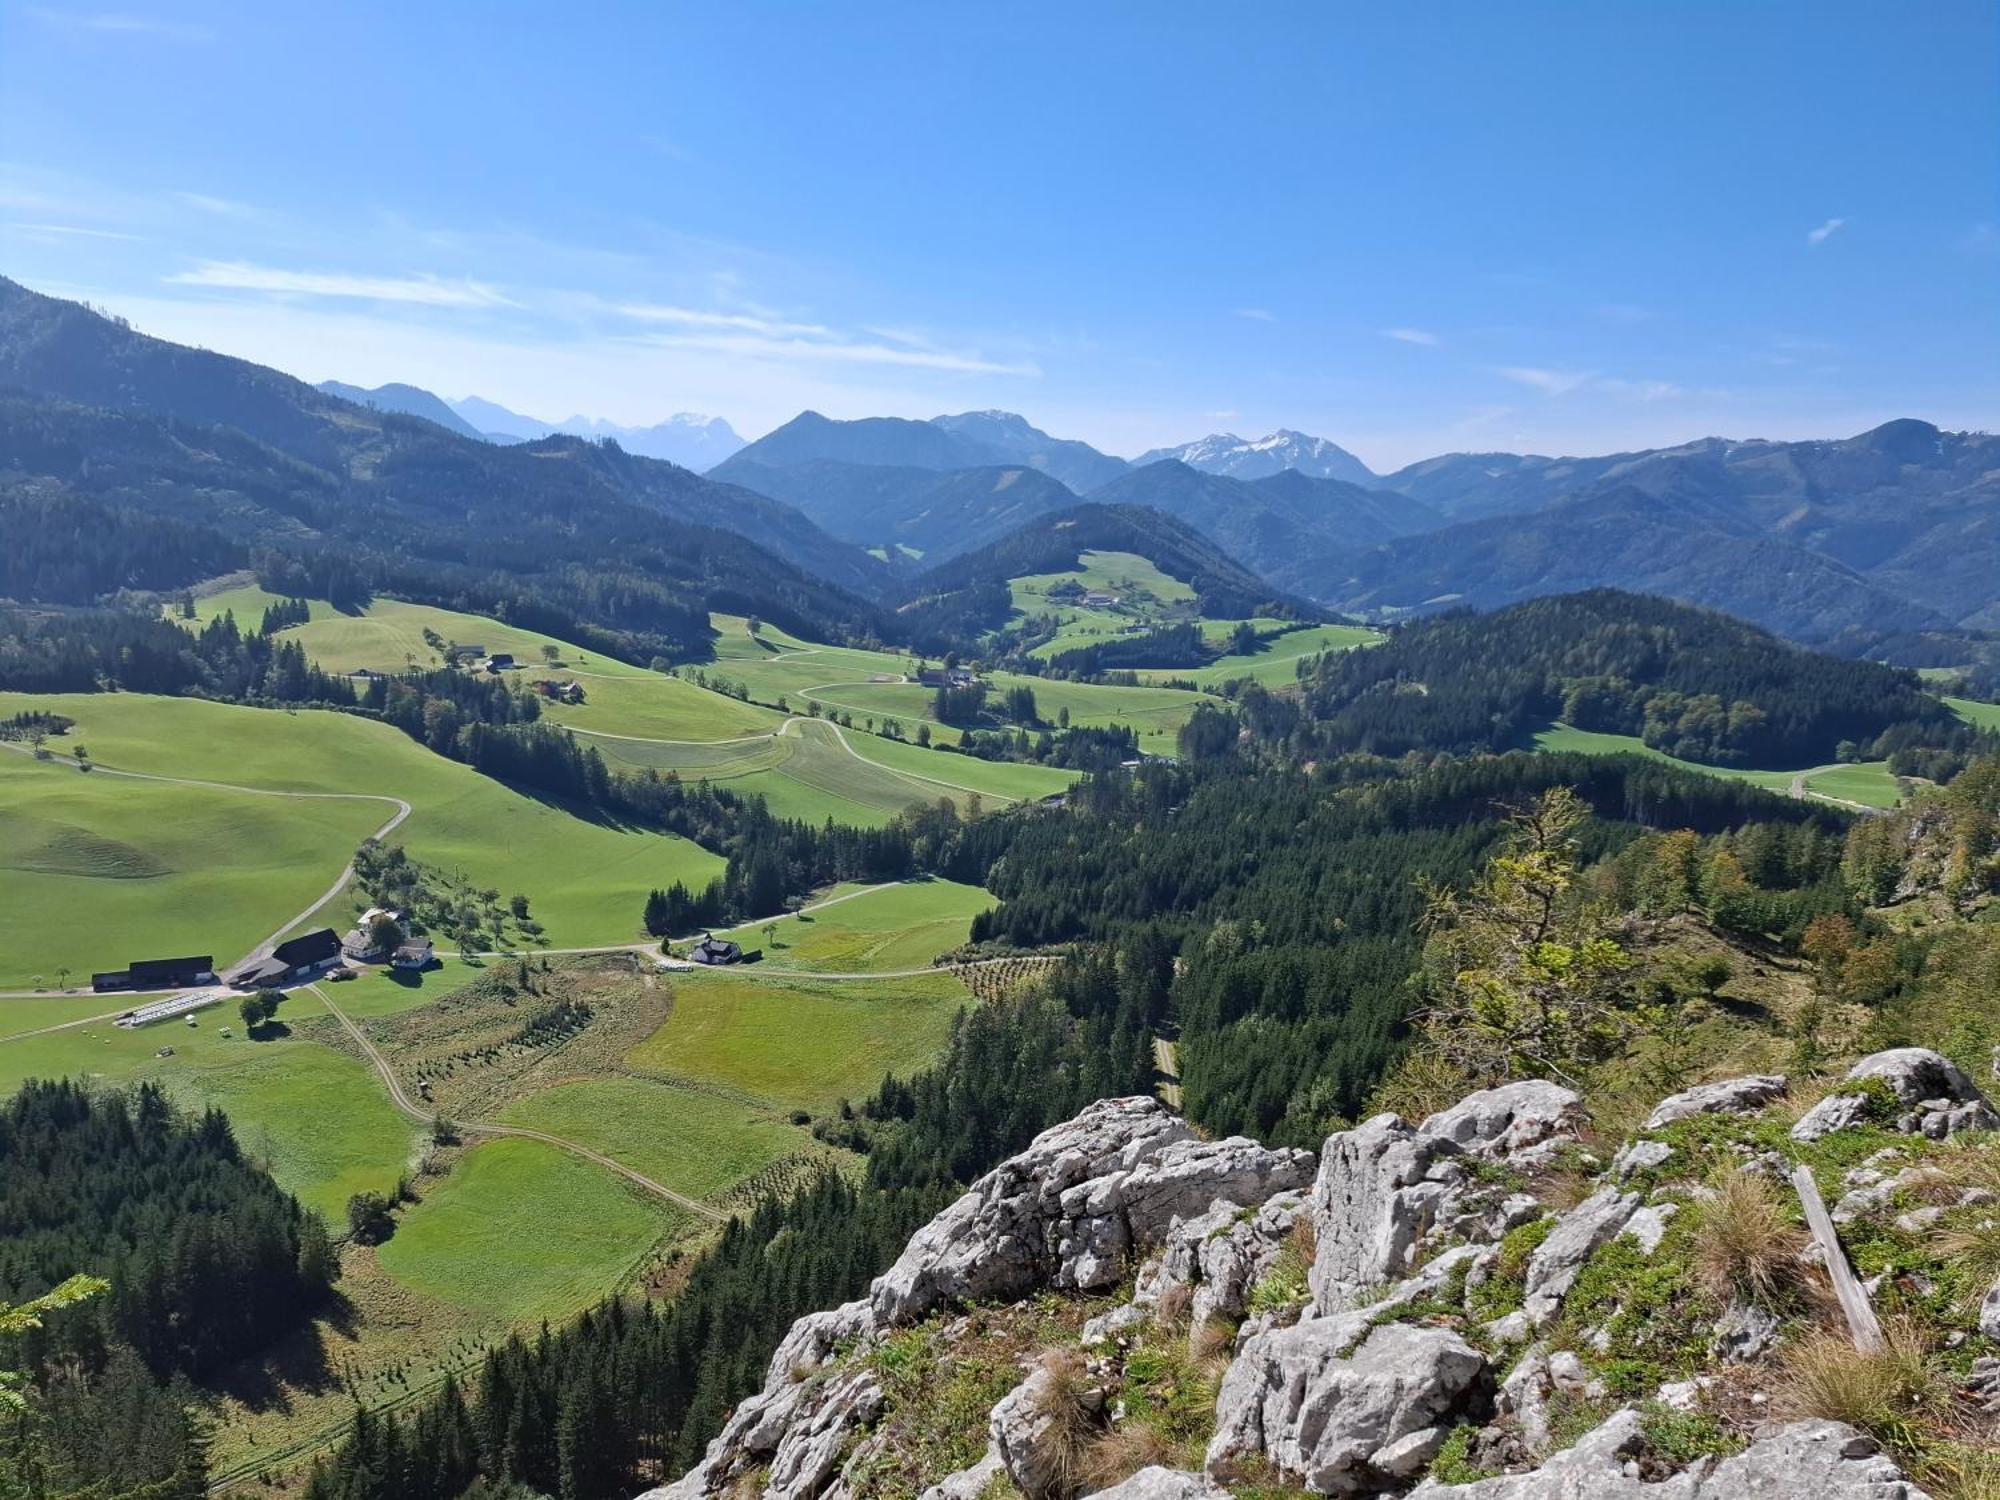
(1481,1305)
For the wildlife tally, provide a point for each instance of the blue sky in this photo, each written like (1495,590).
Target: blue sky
(1410,228)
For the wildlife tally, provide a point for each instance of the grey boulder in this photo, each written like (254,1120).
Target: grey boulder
(1076,1206)
(1731,1096)
(1937,1098)
(1799,1461)
(1553,1268)
(1156,1483)
(1344,1423)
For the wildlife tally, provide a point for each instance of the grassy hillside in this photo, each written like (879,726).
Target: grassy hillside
(1277,664)
(801,1043)
(587,880)
(98,870)
(1868,782)
(865,930)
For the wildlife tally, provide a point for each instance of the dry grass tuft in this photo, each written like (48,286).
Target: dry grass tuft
(1209,1346)
(1745,1246)
(1305,1238)
(1073,1420)
(1174,1307)
(1897,1396)
(1119,1454)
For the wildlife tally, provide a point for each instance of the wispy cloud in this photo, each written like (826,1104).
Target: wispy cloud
(838,350)
(1825,232)
(122,23)
(1257,314)
(74,230)
(222,208)
(689,317)
(1642,390)
(430,291)
(1549,382)
(1412,336)
(1980,239)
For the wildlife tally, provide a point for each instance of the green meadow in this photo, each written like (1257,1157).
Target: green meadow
(1278,663)
(521,1230)
(97,870)
(865,930)
(586,880)
(800,1043)
(1867,782)
(316,1116)
(1979,715)
(693,1140)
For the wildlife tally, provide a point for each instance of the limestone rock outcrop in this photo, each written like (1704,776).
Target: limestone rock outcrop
(1730,1096)
(1341,1422)
(1071,1210)
(1386,1186)
(1937,1099)
(1800,1461)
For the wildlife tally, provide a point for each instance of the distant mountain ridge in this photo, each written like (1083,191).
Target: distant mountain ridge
(354,497)
(934,513)
(969,440)
(686,438)
(410,400)
(1239,458)
(969,594)
(1297,530)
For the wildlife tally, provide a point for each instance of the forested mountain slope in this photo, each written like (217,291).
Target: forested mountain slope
(931,513)
(969,593)
(356,498)
(1845,542)
(1683,548)
(1696,684)
(1298,531)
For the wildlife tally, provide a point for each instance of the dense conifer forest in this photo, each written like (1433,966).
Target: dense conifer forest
(206,1261)
(1692,683)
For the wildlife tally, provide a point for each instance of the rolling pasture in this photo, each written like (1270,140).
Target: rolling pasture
(241,864)
(1868,782)
(691,1080)
(1277,664)
(869,929)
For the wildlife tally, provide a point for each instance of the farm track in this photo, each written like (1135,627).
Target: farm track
(785,729)
(403,1102)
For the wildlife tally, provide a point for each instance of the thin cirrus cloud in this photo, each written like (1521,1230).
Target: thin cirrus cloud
(1825,232)
(689,317)
(1257,314)
(1548,382)
(75,231)
(429,291)
(121,23)
(837,350)
(1417,336)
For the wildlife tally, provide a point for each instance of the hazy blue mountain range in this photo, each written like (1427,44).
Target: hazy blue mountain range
(971,440)
(410,400)
(1299,531)
(908,512)
(686,438)
(1242,458)
(134,430)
